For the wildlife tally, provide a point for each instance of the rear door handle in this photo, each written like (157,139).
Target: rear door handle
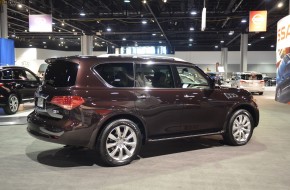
(188,96)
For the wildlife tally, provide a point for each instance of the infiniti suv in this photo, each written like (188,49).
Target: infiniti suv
(17,85)
(114,104)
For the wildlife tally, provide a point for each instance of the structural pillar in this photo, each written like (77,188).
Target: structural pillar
(224,61)
(3,19)
(87,45)
(244,53)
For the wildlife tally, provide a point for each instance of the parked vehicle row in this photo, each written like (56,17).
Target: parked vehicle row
(114,104)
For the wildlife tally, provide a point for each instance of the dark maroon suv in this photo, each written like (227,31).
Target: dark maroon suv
(114,104)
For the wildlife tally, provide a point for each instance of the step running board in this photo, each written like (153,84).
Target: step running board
(186,136)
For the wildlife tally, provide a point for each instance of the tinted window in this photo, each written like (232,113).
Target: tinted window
(251,77)
(6,74)
(61,74)
(156,76)
(191,78)
(117,74)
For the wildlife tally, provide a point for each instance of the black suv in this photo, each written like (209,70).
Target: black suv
(17,85)
(116,103)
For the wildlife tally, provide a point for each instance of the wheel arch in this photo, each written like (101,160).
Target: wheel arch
(135,119)
(249,108)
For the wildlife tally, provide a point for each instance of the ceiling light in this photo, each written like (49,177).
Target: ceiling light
(164,1)
(109,29)
(161,35)
(231,33)
(153,34)
(222,41)
(216,46)
(272,46)
(73,30)
(190,39)
(126,1)
(124,39)
(78,38)
(190,45)
(62,23)
(82,14)
(61,38)
(160,42)
(20,6)
(30,45)
(53,23)
(144,1)
(193,12)
(191,28)
(262,37)
(144,22)
(103,42)
(25,30)
(280,5)
(59,30)
(249,44)
(243,20)
(44,42)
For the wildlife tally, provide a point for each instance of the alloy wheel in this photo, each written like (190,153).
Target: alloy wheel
(241,128)
(13,103)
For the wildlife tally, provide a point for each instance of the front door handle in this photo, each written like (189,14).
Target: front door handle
(143,96)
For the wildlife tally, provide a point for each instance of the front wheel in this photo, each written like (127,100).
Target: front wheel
(119,143)
(240,128)
(12,105)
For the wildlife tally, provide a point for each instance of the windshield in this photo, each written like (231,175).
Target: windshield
(251,76)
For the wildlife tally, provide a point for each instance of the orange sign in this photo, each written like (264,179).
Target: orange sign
(258,21)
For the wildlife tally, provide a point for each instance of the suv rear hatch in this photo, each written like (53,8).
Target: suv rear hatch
(54,97)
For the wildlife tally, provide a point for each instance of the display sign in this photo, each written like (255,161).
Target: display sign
(258,21)
(283,61)
(40,23)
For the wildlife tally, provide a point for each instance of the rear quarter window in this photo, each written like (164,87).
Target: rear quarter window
(117,74)
(61,74)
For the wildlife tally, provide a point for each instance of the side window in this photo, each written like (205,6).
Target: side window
(155,76)
(117,74)
(30,76)
(191,78)
(6,74)
(19,74)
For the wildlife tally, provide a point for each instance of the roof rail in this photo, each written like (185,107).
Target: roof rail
(142,56)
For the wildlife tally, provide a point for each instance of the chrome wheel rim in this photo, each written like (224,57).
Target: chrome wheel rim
(121,143)
(13,103)
(241,128)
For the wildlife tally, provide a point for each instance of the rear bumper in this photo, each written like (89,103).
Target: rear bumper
(55,131)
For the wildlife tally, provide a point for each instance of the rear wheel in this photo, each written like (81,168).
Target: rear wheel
(119,143)
(240,128)
(12,104)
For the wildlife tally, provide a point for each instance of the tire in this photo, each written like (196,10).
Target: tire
(261,93)
(12,105)
(240,128)
(278,94)
(119,142)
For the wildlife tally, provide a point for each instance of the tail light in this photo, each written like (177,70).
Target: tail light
(67,102)
(1,84)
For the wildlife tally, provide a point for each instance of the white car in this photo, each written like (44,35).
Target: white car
(251,81)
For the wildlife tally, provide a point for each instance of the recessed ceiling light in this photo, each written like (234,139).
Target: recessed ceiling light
(61,38)
(272,46)
(189,44)
(78,38)
(144,22)
(73,30)
(44,42)
(193,12)
(164,1)
(124,39)
(190,39)
(161,35)
(249,44)
(20,6)
(53,23)
(262,37)
(59,30)
(222,41)
(82,14)
(126,1)
(216,46)
(160,42)
(103,42)
(30,45)
(62,23)
(109,29)
(191,28)
(144,1)
(243,20)
(25,30)
(153,34)
(231,33)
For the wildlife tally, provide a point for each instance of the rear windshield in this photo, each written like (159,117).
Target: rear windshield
(61,74)
(251,76)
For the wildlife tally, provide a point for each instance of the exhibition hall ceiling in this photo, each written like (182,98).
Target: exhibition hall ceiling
(172,23)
